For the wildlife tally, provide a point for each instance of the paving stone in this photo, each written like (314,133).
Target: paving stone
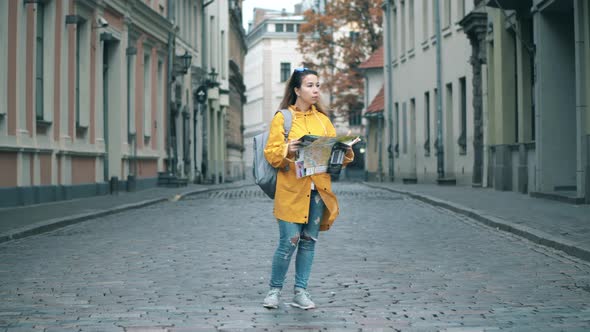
(204,262)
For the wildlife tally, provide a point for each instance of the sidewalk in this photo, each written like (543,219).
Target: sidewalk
(562,226)
(22,221)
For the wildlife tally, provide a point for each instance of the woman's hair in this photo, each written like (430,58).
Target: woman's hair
(295,81)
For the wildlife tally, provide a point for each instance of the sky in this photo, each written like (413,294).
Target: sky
(248,7)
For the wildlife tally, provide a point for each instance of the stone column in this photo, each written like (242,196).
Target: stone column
(474,25)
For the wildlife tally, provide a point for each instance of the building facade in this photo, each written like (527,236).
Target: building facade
(83,88)
(234,169)
(272,57)
(536,92)
(417,116)
(514,93)
(373,117)
(215,63)
(98,96)
(186,75)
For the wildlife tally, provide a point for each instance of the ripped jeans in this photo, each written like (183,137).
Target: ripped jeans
(300,237)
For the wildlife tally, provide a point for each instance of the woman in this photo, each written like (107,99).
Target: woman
(303,206)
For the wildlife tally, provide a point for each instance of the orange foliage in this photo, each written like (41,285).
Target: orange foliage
(336,41)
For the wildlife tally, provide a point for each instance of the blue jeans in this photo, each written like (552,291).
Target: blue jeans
(300,237)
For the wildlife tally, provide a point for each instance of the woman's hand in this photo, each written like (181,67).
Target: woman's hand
(292,147)
(349,147)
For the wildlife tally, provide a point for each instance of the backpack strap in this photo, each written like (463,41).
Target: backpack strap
(288,121)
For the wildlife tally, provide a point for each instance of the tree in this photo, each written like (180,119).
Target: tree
(336,38)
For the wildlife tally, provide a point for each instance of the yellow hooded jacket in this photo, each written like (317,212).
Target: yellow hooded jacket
(292,195)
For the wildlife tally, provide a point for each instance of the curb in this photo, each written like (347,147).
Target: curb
(56,223)
(528,233)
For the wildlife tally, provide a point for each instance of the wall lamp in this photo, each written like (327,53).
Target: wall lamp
(212,79)
(182,63)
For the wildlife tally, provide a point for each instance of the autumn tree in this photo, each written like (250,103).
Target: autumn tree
(337,37)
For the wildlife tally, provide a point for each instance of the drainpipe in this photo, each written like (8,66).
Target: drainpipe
(389,70)
(440,166)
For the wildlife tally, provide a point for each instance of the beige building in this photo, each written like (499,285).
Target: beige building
(234,169)
(82,91)
(514,110)
(412,99)
(374,99)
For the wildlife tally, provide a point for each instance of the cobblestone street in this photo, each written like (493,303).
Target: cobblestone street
(203,263)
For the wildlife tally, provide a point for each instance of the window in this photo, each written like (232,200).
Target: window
(393,31)
(396,147)
(290,27)
(427,124)
(82,69)
(82,74)
(403,27)
(463,137)
(354,118)
(196,17)
(447,14)
(435,16)
(160,101)
(39,52)
(404,128)
(412,23)
(279,27)
(3,57)
(223,56)
(436,119)
(212,55)
(285,71)
(448,117)
(354,36)
(131,58)
(425,19)
(78,76)
(147,93)
(461,10)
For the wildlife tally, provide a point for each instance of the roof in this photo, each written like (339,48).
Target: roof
(377,105)
(375,60)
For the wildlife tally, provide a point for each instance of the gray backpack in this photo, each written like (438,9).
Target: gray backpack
(265,176)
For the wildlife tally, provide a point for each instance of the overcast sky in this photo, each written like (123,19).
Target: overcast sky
(249,5)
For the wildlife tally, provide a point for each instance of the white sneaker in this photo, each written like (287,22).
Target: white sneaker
(302,299)
(271,301)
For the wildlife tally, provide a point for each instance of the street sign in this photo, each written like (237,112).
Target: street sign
(201,94)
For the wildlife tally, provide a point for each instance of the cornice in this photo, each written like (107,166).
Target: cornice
(475,24)
(147,20)
(118,6)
